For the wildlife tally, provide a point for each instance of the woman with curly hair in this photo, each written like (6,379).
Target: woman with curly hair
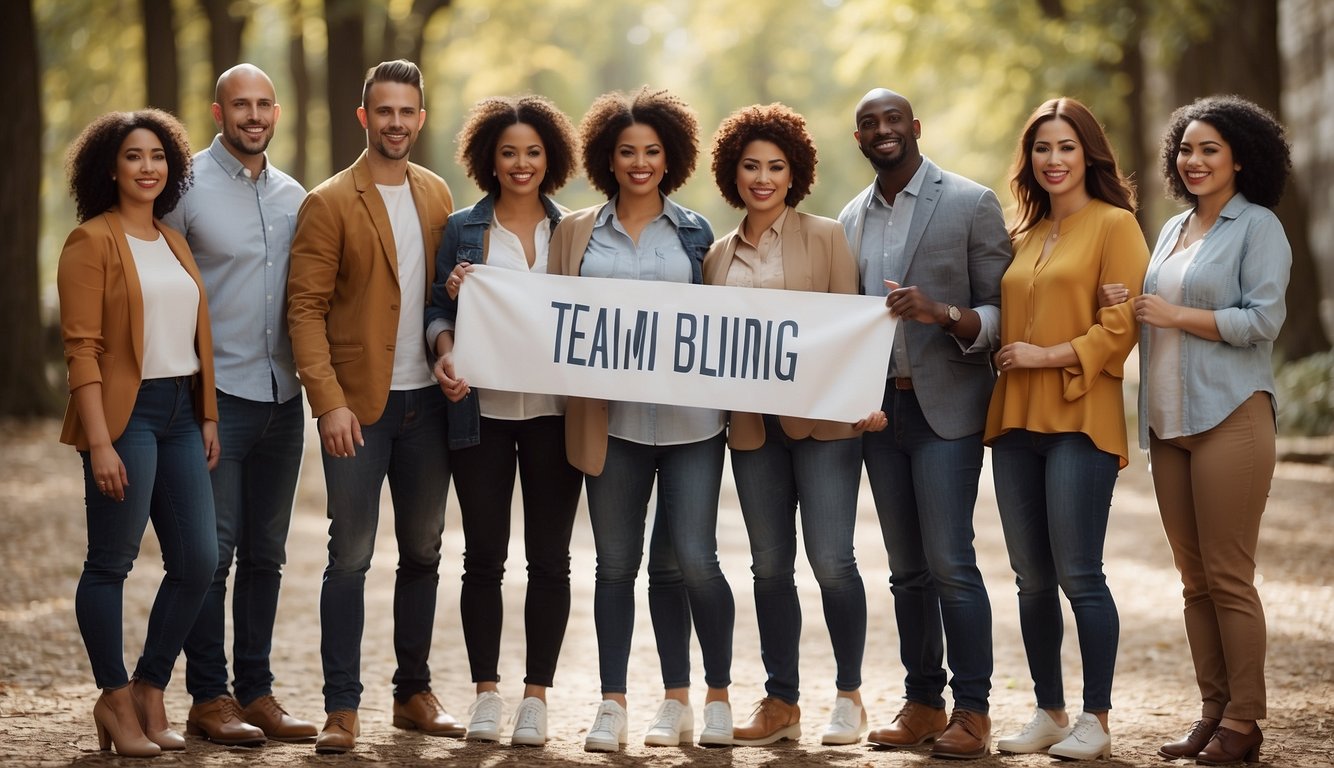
(1056,423)
(637,149)
(764,163)
(519,151)
(143,411)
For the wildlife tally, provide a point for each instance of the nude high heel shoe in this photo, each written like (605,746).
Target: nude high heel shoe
(125,732)
(165,737)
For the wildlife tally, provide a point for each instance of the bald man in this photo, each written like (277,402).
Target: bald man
(239,217)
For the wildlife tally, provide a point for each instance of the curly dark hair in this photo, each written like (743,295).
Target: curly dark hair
(91,161)
(776,123)
(665,113)
(489,118)
(1259,145)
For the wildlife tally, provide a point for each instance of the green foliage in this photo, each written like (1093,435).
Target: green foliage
(1306,396)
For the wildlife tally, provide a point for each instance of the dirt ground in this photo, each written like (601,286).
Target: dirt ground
(46,689)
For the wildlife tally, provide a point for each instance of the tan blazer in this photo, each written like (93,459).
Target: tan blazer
(816,257)
(343,292)
(102,323)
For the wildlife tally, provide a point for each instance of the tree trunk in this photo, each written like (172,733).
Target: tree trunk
(224,34)
(296,62)
(346,73)
(407,40)
(161,69)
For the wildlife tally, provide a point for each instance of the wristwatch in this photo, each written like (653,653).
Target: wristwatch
(955,315)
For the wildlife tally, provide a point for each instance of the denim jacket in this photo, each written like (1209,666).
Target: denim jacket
(465,240)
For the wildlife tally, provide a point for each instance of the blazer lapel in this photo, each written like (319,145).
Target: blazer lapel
(923,208)
(796,261)
(420,199)
(134,292)
(375,207)
(715,272)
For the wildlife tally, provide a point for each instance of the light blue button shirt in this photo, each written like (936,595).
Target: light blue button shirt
(240,232)
(882,256)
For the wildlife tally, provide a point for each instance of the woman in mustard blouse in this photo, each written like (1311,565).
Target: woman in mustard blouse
(1056,423)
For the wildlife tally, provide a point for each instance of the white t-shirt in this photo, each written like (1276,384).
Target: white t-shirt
(410,368)
(1165,384)
(171,310)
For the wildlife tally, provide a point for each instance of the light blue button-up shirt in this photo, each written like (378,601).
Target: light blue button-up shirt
(240,232)
(882,257)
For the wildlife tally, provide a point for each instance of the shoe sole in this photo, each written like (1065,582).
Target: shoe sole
(716,741)
(790,733)
(1106,754)
(667,741)
(525,741)
(488,736)
(603,746)
(841,741)
(408,725)
(962,755)
(332,750)
(192,729)
(920,743)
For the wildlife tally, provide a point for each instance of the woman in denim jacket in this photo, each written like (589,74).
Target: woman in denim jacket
(519,150)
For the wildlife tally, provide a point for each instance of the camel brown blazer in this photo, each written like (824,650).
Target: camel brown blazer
(102,323)
(343,291)
(816,257)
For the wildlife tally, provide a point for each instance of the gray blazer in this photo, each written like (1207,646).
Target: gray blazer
(958,250)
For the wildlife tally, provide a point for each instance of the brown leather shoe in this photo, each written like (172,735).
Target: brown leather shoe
(340,733)
(1190,745)
(915,725)
(967,737)
(1227,747)
(220,722)
(266,714)
(773,720)
(423,713)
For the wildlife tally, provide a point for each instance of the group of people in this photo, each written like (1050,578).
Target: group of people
(200,296)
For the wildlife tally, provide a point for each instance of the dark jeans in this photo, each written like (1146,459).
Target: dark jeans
(484,483)
(163,454)
(253,488)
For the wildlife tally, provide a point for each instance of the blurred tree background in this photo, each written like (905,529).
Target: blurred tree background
(973,69)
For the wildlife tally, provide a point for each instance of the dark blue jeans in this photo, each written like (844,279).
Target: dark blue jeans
(408,446)
(1055,494)
(253,488)
(163,454)
(925,487)
(820,479)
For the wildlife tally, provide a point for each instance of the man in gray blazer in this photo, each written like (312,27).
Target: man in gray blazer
(934,244)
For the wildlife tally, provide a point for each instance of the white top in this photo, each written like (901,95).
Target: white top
(171,310)
(410,368)
(1166,385)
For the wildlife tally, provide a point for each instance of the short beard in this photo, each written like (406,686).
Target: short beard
(885,164)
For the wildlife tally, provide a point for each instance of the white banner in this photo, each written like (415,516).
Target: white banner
(792,353)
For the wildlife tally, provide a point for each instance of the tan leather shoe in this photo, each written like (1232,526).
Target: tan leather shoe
(266,714)
(773,720)
(423,713)
(152,714)
(967,737)
(341,729)
(117,724)
(219,721)
(913,726)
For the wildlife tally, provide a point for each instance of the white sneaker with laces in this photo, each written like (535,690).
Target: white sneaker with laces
(847,723)
(530,723)
(674,723)
(484,717)
(1088,741)
(1037,734)
(717,725)
(608,733)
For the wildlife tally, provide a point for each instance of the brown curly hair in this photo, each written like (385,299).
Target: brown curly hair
(665,113)
(776,123)
(489,118)
(92,161)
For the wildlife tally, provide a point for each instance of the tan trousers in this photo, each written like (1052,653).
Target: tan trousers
(1211,490)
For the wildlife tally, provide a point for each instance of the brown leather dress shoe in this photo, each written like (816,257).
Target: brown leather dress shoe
(423,713)
(1227,747)
(341,729)
(967,737)
(773,720)
(266,714)
(219,721)
(915,725)
(1190,745)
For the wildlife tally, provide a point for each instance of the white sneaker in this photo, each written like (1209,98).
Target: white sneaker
(608,733)
(1088,741)
(1039,733)
(846,724)
(484,717)
(674,723)
(530,723)
(717,725)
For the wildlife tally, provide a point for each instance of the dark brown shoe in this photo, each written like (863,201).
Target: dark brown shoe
(915,725)
(1190,745)
(772,720)
(967,737)
(266,714)
(341,729)
(1227,747)
(423,713)
(220,722)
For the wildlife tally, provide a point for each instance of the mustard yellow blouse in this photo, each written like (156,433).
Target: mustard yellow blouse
(1056,301)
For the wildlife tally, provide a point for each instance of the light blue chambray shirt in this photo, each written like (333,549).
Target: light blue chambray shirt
(659,255)
(240,232)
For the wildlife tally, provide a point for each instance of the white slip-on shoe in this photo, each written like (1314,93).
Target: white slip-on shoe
(674,723)
(847,723)
(608,733)
(530,723)
(1088,741)
(484,717)
(717,725)
(1037,734)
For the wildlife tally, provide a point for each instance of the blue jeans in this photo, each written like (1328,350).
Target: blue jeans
(821,479)
(163,454)
(409,446)
(253,487)
(1055,493)
(683,558)
(925,487)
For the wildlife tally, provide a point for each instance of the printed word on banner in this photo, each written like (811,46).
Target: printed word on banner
(791,353)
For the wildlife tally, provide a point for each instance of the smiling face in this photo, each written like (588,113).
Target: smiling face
(639,160)
(521,160)
(886,131)
(763,176)
(246,112)
(1058,158)
(392,117)
(1205,162)
(141,168)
